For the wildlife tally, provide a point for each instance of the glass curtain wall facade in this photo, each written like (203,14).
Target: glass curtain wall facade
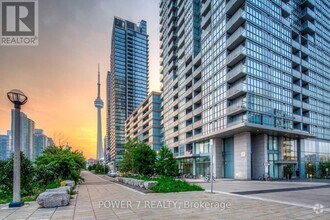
(250,70)
(27,129)
(128,78)
(107,155)
(4,147)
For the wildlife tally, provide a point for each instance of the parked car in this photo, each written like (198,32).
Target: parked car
(113,174)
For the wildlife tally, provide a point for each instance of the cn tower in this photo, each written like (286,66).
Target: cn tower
(98,105)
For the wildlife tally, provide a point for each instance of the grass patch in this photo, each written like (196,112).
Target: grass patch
(167,185)
(5,198)
(9,198)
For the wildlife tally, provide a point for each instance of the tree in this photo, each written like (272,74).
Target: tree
(57,163)
(143,159)
(6,175)
(126,165)
(166,164)
(101,169)
(323,166)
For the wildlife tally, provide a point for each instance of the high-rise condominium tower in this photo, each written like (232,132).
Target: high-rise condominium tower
(128,78)
(249,76)
(27,127)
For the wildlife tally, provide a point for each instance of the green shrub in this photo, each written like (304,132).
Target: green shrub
(101,169)
(167,185)
(53,185)
(57,164)
(27,176)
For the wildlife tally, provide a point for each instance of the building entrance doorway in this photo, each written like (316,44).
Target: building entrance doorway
(228,155)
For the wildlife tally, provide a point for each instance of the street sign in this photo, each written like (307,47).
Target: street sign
(266,164)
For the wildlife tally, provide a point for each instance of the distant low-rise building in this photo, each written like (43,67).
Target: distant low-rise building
(91,162)
(145,122)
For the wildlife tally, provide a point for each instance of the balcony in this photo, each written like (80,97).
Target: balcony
(181,42)
(198,123)
(189,103)
(307,27)
(236,122)
(188,80)
(297,117)
(236,55)
(296,103)
(286,22)
(307,3)
(305,92)
(175,102)
(197,58)
(198,110)
(295,44)
(305,77)
(233,5)
(206,7)
(236,108)
(296,59)
(236,91)
(307,15)
(309,37)
(304,49)
(286,10)
(189,115)
(235,21)
(206,21)
(305,64)
(189,128)
(189,91)
(236,73)
(306,106)
(296,73)
(296,88)
(306,120)
(198,97)
(198,84)
(198,70)
(236,38)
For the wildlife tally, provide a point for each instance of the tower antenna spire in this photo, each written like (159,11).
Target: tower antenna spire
(98,81)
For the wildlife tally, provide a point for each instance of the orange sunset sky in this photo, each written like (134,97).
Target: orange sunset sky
(60,75)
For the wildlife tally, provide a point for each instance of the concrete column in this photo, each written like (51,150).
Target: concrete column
(281,157)
(194,165)
(259,155)
(217,158)
(242,156)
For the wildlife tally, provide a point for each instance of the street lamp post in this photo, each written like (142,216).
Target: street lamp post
(17,98)
(211,164)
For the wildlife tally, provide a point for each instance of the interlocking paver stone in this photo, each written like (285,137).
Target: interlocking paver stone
(98,198)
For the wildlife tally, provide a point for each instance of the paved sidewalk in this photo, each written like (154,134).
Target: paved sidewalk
(100,199)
